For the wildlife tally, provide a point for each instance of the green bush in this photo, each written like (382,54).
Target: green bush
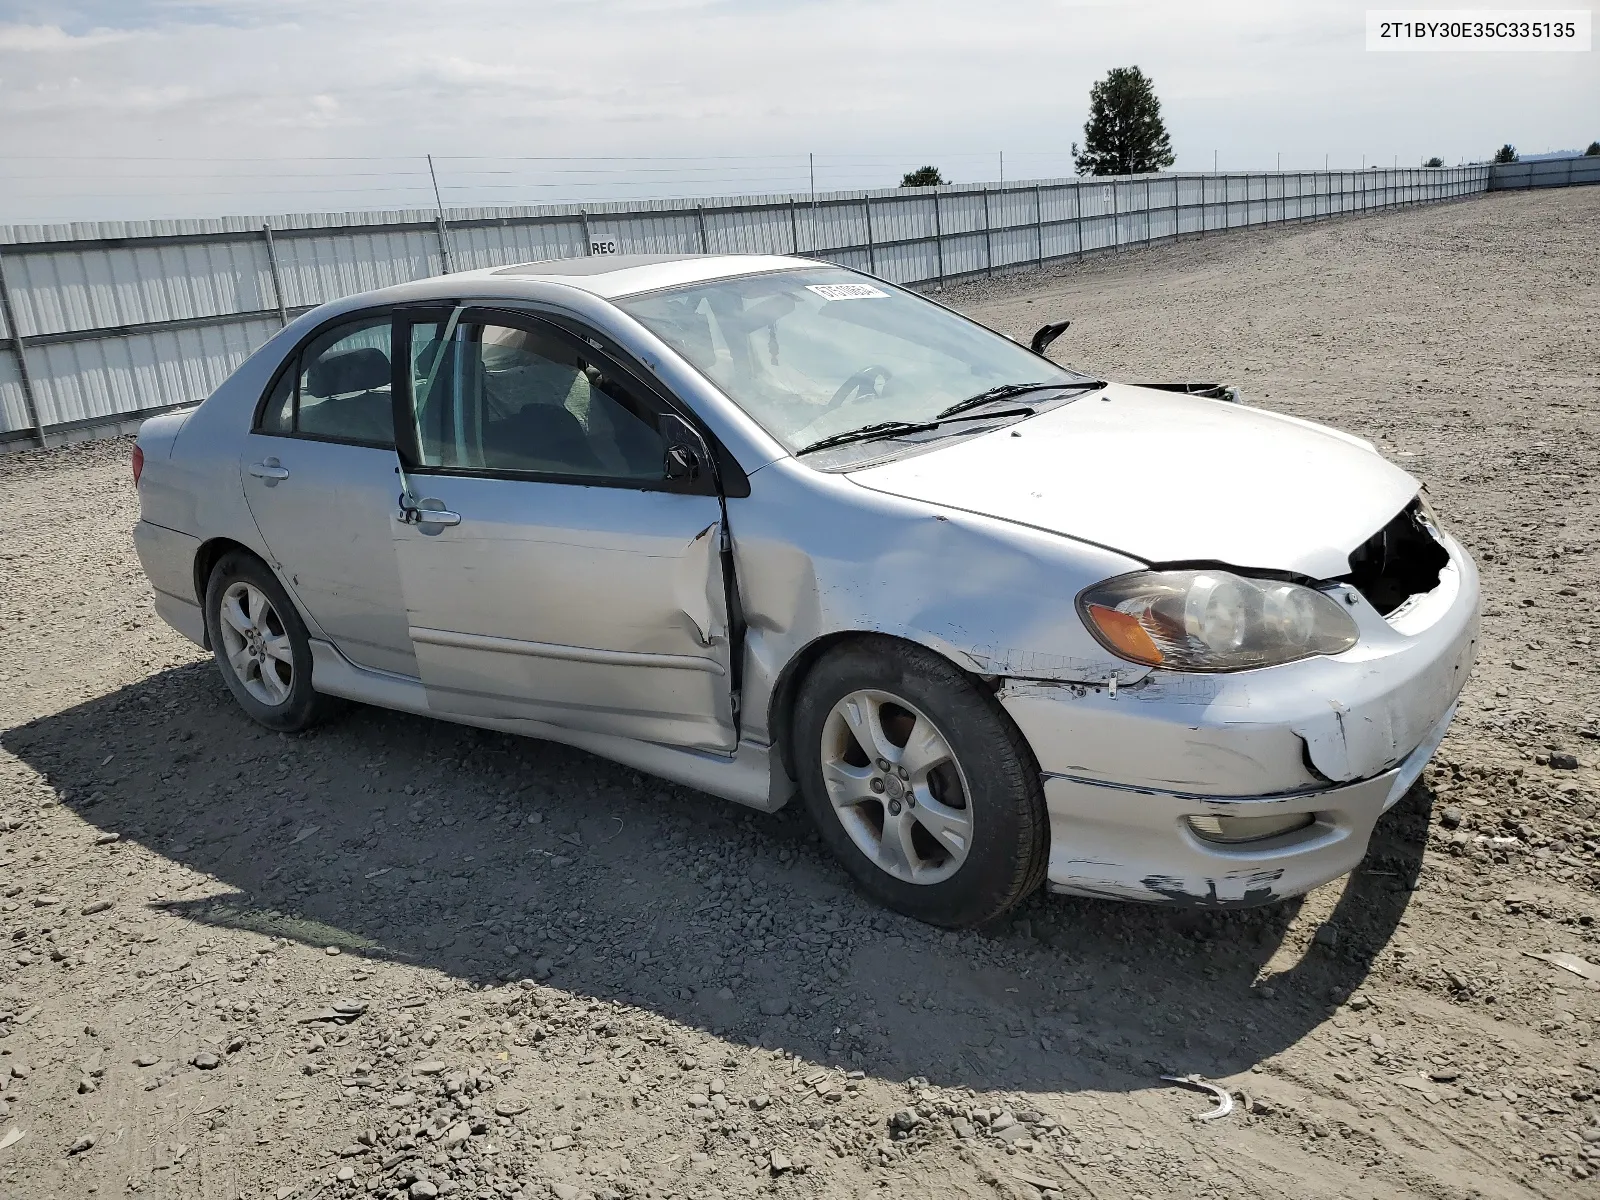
(1506,154)
(923,177)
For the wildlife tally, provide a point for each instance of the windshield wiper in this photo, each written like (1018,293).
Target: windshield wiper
(867,432)
(1007,390)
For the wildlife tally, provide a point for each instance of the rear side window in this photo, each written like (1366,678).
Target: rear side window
(337,388)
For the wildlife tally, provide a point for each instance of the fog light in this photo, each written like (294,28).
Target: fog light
(1247,829)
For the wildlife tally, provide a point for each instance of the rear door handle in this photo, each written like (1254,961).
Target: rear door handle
(269,470)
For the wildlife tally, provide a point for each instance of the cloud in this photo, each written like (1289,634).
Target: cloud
(47,39)
(873,87)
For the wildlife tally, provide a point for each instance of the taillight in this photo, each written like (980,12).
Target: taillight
(138,463)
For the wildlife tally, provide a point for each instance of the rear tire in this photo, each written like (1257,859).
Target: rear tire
(919,783)
(261,645)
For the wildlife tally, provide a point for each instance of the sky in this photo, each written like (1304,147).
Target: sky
(149,108)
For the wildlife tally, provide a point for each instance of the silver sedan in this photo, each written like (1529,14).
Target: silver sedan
(769,527)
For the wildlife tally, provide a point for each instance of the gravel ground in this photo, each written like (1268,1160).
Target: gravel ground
(404,959)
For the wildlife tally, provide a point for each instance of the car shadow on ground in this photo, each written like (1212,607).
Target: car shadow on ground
(488,857)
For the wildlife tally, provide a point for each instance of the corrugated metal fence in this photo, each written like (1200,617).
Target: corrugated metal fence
(1549,172)
(103,324)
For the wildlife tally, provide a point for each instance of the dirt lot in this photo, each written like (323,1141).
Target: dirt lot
(402,958)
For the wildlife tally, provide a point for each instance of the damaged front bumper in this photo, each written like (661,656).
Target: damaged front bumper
(1140,780)
(1097,850)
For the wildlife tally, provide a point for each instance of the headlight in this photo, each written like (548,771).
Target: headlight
(1213,620)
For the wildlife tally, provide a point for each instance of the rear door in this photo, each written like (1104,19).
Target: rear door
(555,569)
(322,481)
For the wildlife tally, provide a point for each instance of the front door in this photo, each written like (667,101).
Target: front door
(320,476)
(552,570)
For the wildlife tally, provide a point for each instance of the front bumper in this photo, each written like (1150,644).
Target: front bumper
(1340,739)
(1119,843)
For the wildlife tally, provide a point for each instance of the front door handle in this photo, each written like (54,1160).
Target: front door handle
(411,514)
(269,470)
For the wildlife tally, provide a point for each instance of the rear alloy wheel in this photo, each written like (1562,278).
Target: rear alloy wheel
(261,645)
(256,644)
(920,783)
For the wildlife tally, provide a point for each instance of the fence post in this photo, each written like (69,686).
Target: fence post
(938,237)
(1116,218)
(872,252)
(700,216)
(588,242)
(988,236)
(1149,234)
(30,403)
(1077,209)
(445,254)
(794,228)
(1038,220)
(277,280)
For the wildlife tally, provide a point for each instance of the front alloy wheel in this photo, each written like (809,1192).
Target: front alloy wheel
(919,782)
(896,787)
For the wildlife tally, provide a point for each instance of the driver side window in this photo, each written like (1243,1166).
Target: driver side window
(497,397)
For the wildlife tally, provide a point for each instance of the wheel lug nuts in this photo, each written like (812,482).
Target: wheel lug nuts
(883,764)
(901,771)
(894,808)
(877,785)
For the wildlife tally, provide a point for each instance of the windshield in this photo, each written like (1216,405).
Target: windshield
(813,353)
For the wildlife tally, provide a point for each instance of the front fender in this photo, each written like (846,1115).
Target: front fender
(817,555)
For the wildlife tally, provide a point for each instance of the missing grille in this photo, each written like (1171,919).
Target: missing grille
(1401,560)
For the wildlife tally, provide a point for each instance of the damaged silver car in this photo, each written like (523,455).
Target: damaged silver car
(767,527)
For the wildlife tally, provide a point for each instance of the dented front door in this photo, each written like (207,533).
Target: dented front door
(587,607)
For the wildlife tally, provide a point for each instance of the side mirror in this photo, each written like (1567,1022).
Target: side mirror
(682,462)
(686,455)
(1046,335)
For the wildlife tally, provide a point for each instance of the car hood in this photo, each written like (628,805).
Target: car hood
(1169,478)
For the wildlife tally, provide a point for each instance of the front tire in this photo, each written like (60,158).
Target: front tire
(261,645)
(919,783)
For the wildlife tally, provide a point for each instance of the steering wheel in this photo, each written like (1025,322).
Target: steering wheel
(862,382)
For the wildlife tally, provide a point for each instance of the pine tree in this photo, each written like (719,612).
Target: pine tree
(1506,154)
(922,177)
(1593,151)
(1435,161)
(1124,134)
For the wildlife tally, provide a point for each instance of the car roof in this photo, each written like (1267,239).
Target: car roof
(610,276)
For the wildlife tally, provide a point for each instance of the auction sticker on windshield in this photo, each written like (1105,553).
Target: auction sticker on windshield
(847,291)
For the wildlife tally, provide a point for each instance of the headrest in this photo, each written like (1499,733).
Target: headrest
(365,369)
